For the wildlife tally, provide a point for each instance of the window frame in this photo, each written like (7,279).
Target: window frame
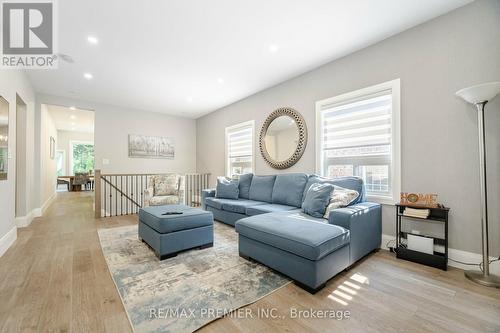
(395,87)
(63,153)
(250,123)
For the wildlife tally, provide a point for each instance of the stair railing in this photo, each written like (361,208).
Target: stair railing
(124,194)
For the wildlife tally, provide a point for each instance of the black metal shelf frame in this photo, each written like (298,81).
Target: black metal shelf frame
(438,259)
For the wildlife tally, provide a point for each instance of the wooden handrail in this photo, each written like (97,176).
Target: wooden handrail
(143,174)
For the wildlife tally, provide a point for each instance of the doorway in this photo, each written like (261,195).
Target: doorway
(73,151)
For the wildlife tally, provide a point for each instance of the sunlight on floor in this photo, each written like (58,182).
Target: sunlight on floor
(348,289)
(360,278)
(338,300)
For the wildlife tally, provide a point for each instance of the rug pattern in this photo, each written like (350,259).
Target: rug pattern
(198,283)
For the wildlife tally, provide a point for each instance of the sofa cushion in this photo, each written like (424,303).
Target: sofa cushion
(288,189)
(261,188)
(239,206)
(317,198)
(226,188)
(164,200)
(244,185)
(216,202)
(294,232)
(268,208)
(352,183)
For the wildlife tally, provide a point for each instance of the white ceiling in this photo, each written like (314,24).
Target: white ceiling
(169,56)
(76,120)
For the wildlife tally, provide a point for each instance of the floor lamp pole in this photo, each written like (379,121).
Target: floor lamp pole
(483,277)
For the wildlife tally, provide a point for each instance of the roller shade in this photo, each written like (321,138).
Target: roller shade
(357,123)
(240,142)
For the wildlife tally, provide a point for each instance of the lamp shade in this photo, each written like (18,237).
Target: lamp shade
(480,93)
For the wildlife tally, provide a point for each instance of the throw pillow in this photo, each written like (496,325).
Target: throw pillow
(244,185)
(261,188)
(227,189)
(317,198)
(340,197)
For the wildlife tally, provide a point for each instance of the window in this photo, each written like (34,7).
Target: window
(82,157)
(358,135)
(239,149)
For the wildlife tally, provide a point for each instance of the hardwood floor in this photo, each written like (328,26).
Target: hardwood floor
(55,279)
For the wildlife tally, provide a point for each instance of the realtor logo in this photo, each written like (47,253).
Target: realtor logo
(28,34)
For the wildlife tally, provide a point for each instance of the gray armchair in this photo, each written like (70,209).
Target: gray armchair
(164,190)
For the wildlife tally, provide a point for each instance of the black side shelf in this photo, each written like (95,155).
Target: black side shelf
(437,260)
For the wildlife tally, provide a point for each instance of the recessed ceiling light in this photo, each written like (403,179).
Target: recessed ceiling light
(72,108)
(88,76)
(73,124)
(220,80)
(189,99)
(72,116)
(72,128)
(93,40)
(273,48)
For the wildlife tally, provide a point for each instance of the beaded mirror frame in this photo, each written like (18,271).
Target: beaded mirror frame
(301,144)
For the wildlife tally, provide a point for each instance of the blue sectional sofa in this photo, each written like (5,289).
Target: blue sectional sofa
(274,231)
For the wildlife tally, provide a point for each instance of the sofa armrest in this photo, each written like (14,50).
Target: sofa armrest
(364,221)
(207,193)
(148,194)
(181,192)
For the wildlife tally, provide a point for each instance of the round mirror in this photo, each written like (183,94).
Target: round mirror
(283,138)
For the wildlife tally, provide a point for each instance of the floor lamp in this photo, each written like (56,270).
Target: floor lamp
(480,95)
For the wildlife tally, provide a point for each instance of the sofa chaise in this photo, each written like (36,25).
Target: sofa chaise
(273,230)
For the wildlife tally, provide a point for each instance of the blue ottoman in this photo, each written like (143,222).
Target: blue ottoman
(167,234)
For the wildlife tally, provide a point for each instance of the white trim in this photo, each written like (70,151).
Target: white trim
(395,87)
(7,240)
(47,203)
(37,212)
(464,256)
(71,143)
(230,129)
(24,221)
(64,172)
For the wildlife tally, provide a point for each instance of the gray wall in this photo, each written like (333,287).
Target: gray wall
(11,83)
(112,126)
(439,131)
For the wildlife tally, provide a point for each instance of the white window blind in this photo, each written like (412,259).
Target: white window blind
(356,137)
(239,149)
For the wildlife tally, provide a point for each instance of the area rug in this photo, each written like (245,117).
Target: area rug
(183,293)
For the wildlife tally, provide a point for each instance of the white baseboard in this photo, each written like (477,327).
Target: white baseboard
(387,240)
(464,256)
(47,203)
(24,221)
(7,240)
(37,212)
(104,213)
